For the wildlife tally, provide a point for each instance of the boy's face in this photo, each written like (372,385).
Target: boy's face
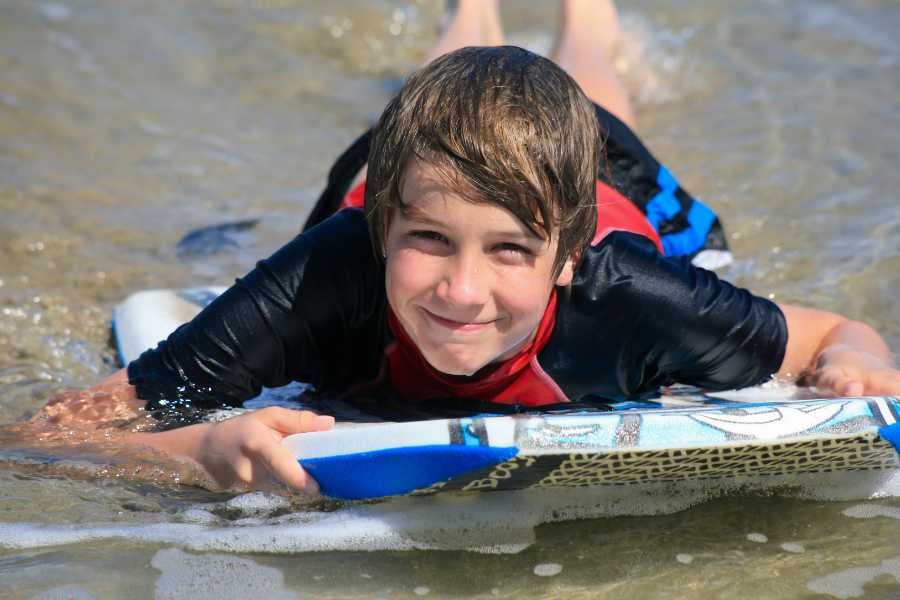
(468,282)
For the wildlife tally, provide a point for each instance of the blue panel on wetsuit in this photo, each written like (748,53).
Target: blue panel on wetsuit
(684,243)
(891,433)
(664,205)
(396,471)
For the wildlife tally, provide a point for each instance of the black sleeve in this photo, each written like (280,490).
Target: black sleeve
(312,312)
(340,176)
(633,321)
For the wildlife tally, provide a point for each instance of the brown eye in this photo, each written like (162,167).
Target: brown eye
(432,236)
(514,249)
(513,253)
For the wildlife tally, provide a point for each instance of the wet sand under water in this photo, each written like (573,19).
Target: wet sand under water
(123,126)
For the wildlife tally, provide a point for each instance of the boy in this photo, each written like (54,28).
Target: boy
(477,272)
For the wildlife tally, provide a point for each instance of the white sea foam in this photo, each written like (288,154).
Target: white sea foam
(548,569)
(843,487)
(257,504)
(849,583)
(199,515)
(495,522)
(215,576)
(55,12)
(652,62)
(868,511)
(66,592)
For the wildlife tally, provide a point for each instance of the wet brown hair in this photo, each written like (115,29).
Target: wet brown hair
(510,127)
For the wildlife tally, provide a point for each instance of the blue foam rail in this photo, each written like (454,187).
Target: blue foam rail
(394,471)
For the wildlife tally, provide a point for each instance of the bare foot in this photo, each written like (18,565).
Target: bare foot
(597,20)
(587,37)
(474,23)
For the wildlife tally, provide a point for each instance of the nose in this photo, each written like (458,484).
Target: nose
(466,281)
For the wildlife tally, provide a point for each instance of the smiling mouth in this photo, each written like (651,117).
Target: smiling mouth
(458,325)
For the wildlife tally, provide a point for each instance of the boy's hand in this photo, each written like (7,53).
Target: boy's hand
(842,370)
(113,400)
(96,406)
(246,451)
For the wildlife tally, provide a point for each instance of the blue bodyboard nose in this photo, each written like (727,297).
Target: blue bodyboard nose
(394,471)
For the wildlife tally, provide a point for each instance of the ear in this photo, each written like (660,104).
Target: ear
(567,273)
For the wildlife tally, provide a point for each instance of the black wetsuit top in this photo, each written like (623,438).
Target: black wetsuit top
(631,321)
(316,311)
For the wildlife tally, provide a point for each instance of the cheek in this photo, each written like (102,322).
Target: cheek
(406,276)
(524,298)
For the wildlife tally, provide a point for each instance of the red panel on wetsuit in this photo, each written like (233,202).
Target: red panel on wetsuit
(355,198)
(614,213)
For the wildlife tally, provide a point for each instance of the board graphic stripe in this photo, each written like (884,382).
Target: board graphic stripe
(456,431)
(628,431)
(473,432)
(893,403)
(885,410)
(480,432)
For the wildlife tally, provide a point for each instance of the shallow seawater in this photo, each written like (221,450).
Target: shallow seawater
(125,125)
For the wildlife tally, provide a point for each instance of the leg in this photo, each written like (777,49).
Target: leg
(588,33)
(474,23)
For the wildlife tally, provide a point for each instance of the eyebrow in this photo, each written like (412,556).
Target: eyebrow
(419,217)
(412,213)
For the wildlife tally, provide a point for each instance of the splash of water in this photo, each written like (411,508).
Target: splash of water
(496,522)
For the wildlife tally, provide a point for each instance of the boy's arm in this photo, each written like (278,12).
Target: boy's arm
(244,451)
(683,324)
(311,312)
(837,355)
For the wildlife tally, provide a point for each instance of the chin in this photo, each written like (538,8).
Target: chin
(455,365)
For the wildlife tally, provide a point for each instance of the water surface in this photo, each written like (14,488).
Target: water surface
(125,125)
